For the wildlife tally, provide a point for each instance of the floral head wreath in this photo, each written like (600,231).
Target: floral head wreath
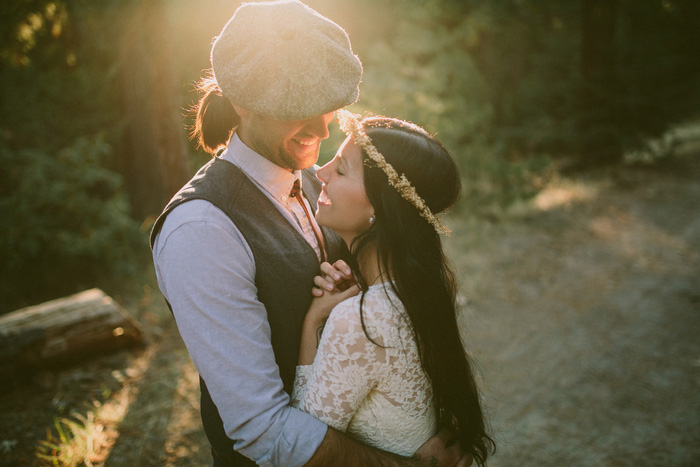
(352,126)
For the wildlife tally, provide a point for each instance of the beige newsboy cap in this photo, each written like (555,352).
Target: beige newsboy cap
(284,60)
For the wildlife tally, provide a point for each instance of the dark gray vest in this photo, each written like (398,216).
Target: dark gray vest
(285,267)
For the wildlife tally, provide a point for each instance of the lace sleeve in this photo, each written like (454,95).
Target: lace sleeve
(347,366)
(301,379)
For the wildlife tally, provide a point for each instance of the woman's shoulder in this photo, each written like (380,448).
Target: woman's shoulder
(381,312)
(378,301)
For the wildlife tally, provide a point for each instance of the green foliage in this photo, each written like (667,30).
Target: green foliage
(658,68)
(531,55)
(420,69)
(491,183)
(500,82)
(66,221)
(505,78)
(510,72)
(56,82)
(73,444)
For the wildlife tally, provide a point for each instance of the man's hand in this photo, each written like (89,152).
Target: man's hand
(338,449)
(442,450)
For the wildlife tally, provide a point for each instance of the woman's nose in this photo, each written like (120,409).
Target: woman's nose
(322,172)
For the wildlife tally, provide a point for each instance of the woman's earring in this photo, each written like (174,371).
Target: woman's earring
(371,219)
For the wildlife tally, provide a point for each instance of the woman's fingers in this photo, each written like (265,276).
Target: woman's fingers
(338,274)
(343,267)
(334,277)
(331,272)
(338,270)
(324,284)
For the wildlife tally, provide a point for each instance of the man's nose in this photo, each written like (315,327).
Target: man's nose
(318,126)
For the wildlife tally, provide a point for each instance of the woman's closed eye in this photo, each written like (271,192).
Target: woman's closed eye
(341,168)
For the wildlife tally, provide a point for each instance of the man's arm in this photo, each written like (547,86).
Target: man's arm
(206,272)
(339,449)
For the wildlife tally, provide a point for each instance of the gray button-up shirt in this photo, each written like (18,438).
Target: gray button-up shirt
(234,356)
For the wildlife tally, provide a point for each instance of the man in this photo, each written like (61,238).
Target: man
(236,250)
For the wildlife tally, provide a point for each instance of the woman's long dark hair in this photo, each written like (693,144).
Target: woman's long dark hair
(214,115)
(410,250)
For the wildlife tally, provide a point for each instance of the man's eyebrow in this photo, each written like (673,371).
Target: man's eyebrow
(343,161)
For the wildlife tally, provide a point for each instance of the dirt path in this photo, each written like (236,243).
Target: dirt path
(585,321)
(583,315)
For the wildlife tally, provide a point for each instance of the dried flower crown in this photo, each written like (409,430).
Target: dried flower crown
(351,125)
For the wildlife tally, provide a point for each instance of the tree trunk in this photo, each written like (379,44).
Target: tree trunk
(599,142)
(154,149)
(63,330)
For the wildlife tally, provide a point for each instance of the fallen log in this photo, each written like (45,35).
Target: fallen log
(64,330)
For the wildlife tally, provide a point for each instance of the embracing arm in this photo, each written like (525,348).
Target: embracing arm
(339,449)
(207,274)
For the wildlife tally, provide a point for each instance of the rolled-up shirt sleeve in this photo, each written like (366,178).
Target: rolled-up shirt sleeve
(206,271)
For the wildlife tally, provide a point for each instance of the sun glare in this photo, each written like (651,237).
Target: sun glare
(564,195)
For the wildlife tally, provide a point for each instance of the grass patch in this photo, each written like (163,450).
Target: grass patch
(73,442)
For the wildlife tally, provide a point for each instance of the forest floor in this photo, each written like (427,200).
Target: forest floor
(582,310)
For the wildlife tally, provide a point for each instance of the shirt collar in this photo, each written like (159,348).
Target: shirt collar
(269,176)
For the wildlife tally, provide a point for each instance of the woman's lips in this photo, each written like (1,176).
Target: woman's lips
(323,199)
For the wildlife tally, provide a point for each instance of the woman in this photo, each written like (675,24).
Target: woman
(390,367)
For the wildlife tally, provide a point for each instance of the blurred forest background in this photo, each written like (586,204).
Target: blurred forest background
(93,92)
(585,318)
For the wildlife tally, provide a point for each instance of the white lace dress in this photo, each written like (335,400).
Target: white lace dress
(379,395)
